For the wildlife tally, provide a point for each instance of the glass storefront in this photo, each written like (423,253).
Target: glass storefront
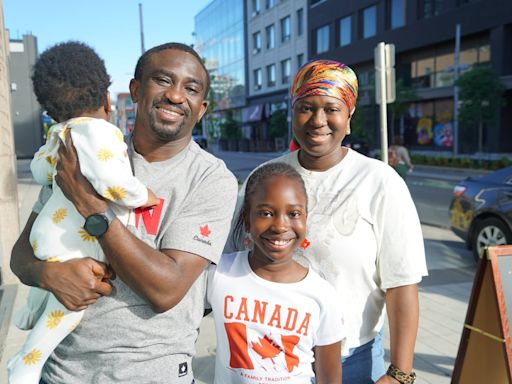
(219,34)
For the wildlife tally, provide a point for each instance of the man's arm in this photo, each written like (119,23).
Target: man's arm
(76,283)
(163,277)
(403,315)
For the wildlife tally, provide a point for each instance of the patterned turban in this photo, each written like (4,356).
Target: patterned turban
(326,78)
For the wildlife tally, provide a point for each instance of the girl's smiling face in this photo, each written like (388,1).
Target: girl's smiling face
(276,220)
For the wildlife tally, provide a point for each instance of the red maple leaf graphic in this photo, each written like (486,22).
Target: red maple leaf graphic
(289,342)
(205,231)
(305,243)
(266,348)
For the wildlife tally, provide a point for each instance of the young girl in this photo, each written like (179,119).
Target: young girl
(71,83)
(276,321)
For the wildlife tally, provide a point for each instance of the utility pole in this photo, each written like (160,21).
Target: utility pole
(141,30)
(456,60)
(384,89)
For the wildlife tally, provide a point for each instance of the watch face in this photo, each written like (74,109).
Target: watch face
(96,225)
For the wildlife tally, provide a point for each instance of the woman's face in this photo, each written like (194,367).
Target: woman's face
(320,124)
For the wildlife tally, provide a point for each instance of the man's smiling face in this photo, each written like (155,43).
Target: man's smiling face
(170,95)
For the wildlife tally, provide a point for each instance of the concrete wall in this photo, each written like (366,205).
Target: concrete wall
(9,221)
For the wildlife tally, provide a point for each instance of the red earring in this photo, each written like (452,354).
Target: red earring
(305,243)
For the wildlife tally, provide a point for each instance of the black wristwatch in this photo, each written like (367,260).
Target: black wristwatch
(97,223)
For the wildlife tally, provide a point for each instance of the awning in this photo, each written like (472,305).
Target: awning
(252,113)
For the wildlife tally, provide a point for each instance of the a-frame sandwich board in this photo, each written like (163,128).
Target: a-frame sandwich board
(485,349)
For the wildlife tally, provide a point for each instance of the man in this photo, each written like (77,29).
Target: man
(141,326)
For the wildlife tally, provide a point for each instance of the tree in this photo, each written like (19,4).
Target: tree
(278,124)
(229,127)
(404,97)
(480,95)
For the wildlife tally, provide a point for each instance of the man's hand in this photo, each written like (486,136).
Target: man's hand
(77,283)
(74,185)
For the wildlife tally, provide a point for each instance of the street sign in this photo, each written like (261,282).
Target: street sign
(384,89)
(385,63)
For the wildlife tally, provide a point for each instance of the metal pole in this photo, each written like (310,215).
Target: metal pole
(141,30)
(456,60)
(289,118)
(383,105)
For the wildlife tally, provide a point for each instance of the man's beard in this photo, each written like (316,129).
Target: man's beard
(163,133)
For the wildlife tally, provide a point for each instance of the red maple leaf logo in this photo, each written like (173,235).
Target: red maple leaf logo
(266,348)
(289,342)
(205,231)
(305,243)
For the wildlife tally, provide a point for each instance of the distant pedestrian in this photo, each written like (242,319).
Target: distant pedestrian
(276,320)
(402,153)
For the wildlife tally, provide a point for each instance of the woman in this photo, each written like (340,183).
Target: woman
(363,235)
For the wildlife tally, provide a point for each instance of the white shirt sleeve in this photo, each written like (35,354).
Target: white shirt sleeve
(401,251)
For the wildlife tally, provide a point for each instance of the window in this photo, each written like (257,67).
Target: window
(315,2)
(271,75)
(300,60)
(369,22)
(270,3)
(286,29)
(286,71)
(255,7)
(345,31)
(436,68)
(429,8)
(300,22)
(258,80)
(322,39)
(271,36)
(256,42)
(396,12)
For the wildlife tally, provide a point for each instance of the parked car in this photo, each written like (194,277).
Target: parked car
(481,210)
(201,140)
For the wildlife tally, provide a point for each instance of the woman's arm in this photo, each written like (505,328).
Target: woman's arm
(328,363)
(403,315)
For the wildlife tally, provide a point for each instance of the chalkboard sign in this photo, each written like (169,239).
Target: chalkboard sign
(485,350)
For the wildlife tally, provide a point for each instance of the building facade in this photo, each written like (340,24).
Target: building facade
(277,47)
(423,32)
(25,110)
(220,41)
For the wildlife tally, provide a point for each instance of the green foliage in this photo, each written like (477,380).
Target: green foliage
(404,97)
(480,95)
(229,128)
(461,162)
(357,125)
(278,124)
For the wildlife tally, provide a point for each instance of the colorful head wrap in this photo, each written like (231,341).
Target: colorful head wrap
(326,78)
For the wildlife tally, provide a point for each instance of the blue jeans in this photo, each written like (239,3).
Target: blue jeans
(364,364)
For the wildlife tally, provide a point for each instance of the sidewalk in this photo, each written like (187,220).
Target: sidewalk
(443,300)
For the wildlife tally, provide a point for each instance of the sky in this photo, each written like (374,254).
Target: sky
(111,27)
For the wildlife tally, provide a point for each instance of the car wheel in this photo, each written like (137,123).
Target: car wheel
(488,232)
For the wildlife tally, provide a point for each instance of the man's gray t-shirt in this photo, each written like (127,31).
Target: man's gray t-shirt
(120,339)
